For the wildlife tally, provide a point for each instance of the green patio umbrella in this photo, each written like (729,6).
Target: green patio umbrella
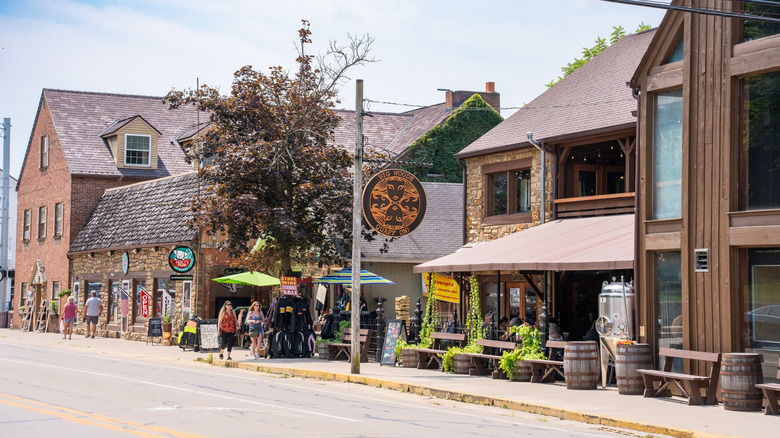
(253,278)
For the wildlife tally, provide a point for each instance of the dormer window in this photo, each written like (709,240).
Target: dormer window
(138,150)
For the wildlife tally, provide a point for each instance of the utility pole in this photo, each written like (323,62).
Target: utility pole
(356,223)
(5,218)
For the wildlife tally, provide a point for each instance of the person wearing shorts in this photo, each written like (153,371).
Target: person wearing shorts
(68,318)
(254,319)
(92,310)
(227,324)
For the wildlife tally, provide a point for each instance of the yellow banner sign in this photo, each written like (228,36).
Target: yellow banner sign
(447,289)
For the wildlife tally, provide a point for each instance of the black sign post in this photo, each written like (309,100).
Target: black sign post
(155,330)
(396,329)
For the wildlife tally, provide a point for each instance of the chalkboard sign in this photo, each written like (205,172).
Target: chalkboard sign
(396,329)
(208,336)
(155,328)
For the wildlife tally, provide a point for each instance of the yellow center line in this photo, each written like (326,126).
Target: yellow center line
(89,419)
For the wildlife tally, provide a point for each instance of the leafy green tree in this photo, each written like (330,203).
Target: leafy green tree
(439,145)
(276,177)
(589,53)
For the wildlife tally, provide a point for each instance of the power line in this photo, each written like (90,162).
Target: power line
(661,5)
(524,107)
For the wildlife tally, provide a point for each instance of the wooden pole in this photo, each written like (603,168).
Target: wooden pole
(356,223)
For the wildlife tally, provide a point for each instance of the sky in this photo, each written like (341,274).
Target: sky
(149,47)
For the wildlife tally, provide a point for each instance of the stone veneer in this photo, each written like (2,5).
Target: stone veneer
(476,231)
(109,268)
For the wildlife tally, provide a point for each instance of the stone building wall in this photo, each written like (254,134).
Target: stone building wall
(148,262)
(476,231)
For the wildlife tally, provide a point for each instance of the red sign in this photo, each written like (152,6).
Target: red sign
(144,304)
(289,285)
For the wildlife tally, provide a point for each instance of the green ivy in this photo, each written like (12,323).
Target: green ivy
(448,357)
(530,348)
(431,319)
(439,145)
(474,327)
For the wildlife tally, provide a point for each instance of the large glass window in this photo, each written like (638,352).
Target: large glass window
(762,299)
(138,150)
(509,193)
(755,29)
(667,155)
(668,288)
(678,53)
(761,142)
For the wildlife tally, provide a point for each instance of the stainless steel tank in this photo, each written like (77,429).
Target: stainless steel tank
(616,304)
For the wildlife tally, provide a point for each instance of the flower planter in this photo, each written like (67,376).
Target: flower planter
(167,330)
(322,350)
(523,372)
(461,364)
(409,358)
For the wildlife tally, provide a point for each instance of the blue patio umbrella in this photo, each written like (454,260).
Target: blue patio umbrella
(344,276)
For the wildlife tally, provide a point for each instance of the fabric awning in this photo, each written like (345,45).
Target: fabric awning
(583,244)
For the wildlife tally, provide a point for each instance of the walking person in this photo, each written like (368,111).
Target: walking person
(254,319)
(69,317)
(227,324)
(92,310)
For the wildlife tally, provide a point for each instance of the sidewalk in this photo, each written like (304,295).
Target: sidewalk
(606,407)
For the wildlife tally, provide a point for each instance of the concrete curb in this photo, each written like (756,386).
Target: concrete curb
(531,408)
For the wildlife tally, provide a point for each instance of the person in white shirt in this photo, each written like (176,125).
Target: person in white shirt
(92,310)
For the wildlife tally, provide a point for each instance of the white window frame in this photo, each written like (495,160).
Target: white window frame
(27,220)
(148,164)
(44,152)
(59,210)
(42,222)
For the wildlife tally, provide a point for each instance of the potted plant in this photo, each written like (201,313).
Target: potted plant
(512,362)
(64,293)
(405,352)
(21,310)
(167,329)
(53,307)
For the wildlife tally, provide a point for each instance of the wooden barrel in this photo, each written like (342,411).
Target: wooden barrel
(739,375)
(409,358)
(461,364)
(322,350)
(523,372)
(581,365)
(628,359)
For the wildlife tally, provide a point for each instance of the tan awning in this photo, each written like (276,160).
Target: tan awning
(585,244)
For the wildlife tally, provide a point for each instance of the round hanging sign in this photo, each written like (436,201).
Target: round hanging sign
(394,202)
(181,259)
(125,262)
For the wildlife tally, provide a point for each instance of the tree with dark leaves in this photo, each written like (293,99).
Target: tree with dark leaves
(279,191)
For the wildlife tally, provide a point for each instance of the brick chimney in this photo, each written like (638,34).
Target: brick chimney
(456,98)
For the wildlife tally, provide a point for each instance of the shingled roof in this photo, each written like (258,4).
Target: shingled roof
(593,99)
(142,214)
(391,133)
(439,234)
(81,117)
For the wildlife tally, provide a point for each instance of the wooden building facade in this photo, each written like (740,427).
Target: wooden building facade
(708,204)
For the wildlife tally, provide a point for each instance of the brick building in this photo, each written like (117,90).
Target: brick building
(82,144)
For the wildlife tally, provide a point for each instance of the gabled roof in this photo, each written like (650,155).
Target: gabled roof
(142,214)
(80,118)
(119,124)
(390,133)
(440,233)
(593,99)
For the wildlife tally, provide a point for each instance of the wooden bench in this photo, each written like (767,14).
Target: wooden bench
(693,384)
(771,390)
(544,370)
(478,360)
(430,357)
(335,350)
